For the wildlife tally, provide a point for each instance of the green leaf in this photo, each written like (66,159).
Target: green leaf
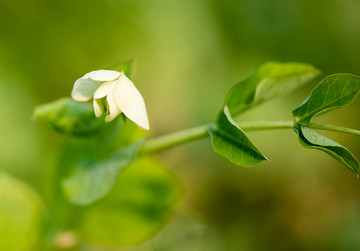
(333,92)
(69,117)
(127,133)
(268,81)
(231,142)
(140,203)
(126,67)
(91,180)
(21,215)
(310,139)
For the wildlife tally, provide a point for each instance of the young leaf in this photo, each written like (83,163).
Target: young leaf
(333,92)
(268,81)
(126,67)
(141,202)
(91,180)
(310,139)
(68,117)
(231,142)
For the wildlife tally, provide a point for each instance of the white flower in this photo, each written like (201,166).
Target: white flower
(114,92)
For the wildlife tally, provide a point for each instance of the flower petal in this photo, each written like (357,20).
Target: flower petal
(103,89)
(130,101)
(99,107)
(84,89)
(102,75)
(114,110)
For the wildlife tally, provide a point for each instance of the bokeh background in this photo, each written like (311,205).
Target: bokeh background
(188,54)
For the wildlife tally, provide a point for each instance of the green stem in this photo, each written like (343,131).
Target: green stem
(334,128)
(178,138)
(167,141)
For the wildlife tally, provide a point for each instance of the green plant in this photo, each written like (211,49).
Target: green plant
(96,152)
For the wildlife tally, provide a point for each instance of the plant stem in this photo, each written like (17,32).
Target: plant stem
(167,141)
(334,128)
(178,138)
(173,139)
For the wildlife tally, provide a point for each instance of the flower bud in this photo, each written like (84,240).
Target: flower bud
(68,117)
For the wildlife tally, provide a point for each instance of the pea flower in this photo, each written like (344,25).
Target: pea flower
(114,93)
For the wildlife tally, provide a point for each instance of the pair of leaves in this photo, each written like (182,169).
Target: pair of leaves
(267,82)
(141,202)
(333,92)
(137,199)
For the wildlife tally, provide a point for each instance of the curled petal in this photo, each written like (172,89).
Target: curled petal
(104,89)
(84,89)
(114,110)
(103,75)
(99,107)
(130,101)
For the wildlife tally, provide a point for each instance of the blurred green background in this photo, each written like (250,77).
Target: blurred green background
(188,55)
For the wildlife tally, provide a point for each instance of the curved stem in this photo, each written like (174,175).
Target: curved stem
(167,141)
(173,139)
(178,138)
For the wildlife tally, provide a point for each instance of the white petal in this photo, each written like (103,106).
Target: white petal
(103,75)
(84,89)
(114,110)
(103,89)
(98,107)
(130,101)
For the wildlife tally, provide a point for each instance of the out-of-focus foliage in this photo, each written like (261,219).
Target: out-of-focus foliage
(94,170)
(136,208)
(91,180)
(68,117)
(21,215)
(188,54)
(128,210)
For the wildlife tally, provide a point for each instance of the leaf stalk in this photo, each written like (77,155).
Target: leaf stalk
(168,141)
